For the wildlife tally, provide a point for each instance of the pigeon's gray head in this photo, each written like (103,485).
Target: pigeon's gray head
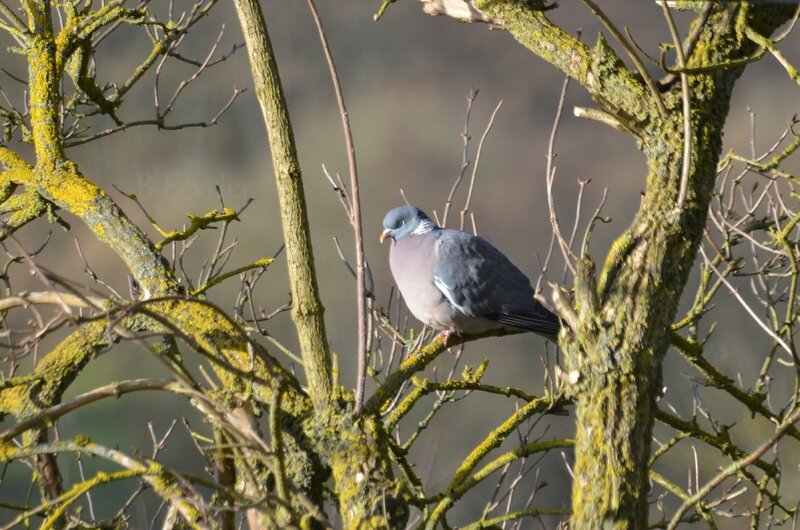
(404,221)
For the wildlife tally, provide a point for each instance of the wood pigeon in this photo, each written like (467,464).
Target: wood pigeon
(457,282)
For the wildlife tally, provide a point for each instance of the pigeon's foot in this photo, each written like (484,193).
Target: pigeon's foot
(446,334)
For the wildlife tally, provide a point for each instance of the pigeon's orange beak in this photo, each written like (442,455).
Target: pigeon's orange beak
(384,235)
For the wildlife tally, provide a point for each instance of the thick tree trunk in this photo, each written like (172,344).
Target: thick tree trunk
(616,357)
(354,449)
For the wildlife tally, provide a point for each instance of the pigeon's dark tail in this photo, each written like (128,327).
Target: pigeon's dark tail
(543,322)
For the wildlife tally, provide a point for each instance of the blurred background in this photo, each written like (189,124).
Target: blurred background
(406,80)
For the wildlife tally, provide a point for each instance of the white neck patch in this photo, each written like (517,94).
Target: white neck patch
(424,226)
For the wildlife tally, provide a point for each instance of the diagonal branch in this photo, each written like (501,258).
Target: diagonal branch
(598,69)
(417,361)
(116,389)
(626,45)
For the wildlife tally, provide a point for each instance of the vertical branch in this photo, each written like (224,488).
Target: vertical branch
(225,474)
(43,84)
(49,475)
(687,107)
(569,256)
(355,214)
(307,310)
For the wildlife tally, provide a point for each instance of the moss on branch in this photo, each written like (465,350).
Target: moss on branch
(416,361)
(598,69)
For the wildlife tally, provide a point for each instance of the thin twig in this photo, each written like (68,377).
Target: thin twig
(159,122)
(735,293)
(355,218)
(465,137)
(687,108)
(569,256)
(694,38)
(51,297)
(578,209)
(477,162)
(733,468)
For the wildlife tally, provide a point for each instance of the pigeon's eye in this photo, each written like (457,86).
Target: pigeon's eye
(402,223)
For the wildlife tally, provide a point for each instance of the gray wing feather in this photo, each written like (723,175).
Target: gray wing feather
(480,280)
